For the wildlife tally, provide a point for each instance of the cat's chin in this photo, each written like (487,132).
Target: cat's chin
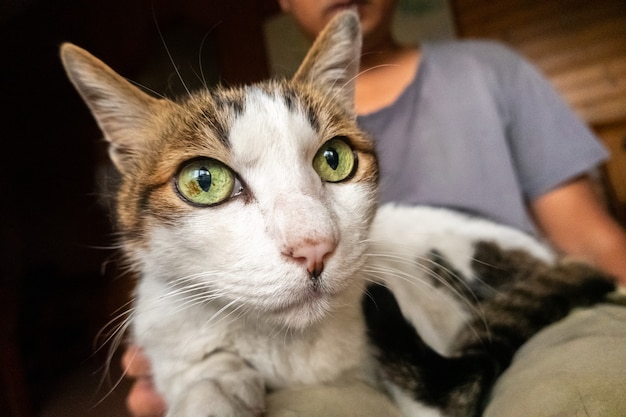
(313,305)
(304,311)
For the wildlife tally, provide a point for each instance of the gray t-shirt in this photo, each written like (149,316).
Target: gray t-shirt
(479,130)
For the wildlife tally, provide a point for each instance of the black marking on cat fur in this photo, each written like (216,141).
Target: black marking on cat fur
(226,100)
(529,295)
(455,385)
(294,101)
(289,98)
(524,296)
(313,118)
(443,273)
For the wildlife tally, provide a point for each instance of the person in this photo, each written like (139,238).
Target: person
(473,126)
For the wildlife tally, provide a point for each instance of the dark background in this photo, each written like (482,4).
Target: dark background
(58,282)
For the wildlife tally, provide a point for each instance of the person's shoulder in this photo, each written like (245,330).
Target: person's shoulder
(482,52)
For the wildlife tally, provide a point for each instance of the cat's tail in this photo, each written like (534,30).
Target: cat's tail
(458,385)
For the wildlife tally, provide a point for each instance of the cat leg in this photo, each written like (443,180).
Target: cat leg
(223,385)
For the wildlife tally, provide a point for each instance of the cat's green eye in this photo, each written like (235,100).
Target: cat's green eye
(205,182)
(335,161)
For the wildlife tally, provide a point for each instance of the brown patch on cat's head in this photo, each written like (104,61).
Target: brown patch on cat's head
(149,138)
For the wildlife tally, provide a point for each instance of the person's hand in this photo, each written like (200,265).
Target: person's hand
(143,400)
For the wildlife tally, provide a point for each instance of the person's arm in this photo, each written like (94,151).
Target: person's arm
(143,400)
(574,219)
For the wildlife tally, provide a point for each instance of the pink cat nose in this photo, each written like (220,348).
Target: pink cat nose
(312,254)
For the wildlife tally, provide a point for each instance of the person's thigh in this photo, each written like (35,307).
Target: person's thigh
(576,367)
(356,400)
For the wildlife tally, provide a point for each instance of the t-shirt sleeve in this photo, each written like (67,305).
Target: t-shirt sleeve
(550,144)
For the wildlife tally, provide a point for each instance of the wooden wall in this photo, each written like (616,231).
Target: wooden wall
(580,45)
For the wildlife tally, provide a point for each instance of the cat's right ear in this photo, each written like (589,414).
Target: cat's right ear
(333,60)
(125,114)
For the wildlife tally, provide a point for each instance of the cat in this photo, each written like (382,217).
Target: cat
(250,217)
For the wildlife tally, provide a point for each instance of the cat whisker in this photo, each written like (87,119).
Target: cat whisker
(169,54)
(339,91)
(196,299)
(475,309)
(186,288)
(419,283)
(375,272)
(223,309)
(478,278)
(368,294)
(145,88)
(452,281)
(106,374)
(202,42)
(114,340)
(409,259)
(125,313)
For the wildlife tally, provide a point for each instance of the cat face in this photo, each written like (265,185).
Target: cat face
(283,235)
(256,198)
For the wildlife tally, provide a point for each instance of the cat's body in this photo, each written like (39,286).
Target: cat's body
(413,235)
(484,290)
(246,214)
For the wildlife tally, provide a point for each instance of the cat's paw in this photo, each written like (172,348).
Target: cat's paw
(227,396)
(233,389)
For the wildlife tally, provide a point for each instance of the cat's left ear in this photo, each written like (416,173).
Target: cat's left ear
(333,60)
(126,115)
